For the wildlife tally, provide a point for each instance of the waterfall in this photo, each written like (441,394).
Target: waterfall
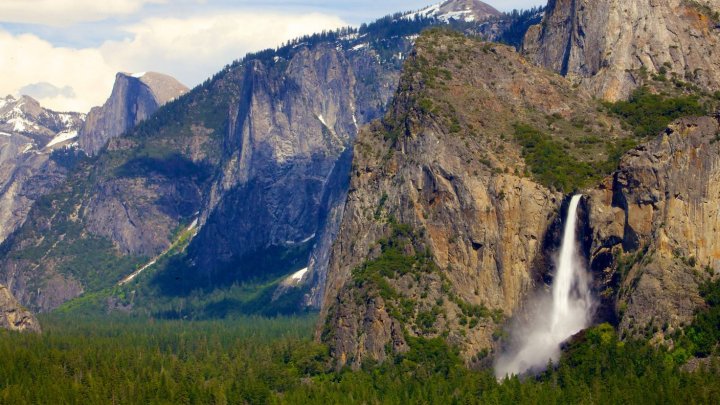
(558,317)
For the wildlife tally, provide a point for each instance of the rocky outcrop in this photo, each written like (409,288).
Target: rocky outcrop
(28,135)
(611,46)
(442,167)
(134,98)
(13,316)
(655,225)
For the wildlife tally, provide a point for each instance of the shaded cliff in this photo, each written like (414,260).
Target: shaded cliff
(134,98)
(613,46)
(445,227)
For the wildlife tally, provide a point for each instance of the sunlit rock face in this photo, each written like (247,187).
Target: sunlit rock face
(660,213)
(13,316)
(459,187)
(611,46)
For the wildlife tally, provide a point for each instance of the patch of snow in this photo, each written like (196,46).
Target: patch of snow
(320,117)
(355,121)
(20,124)
(308,239)
(66,119)
(464,15)
(28,146)
(426,12)
(349,37)
(298,275)
(62,137)
(5,134)
(360,46)
(139,75)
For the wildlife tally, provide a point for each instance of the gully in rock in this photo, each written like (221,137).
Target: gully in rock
(568,311)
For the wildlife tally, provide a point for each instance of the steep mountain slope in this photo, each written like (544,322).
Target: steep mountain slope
(444,232)
(134,98)
(28,135)
(13,316)
(654,228)
(611,46)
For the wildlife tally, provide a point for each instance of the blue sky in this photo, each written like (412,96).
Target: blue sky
(66,52)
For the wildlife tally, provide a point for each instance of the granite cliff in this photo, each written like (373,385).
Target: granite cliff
(611,47)
(654,228)
(446,232)
(13,316)
(134,98)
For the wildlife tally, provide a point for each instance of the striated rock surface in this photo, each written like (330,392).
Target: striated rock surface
(611,46)
(134,98)
(13,316)
(440,180)
(654,227)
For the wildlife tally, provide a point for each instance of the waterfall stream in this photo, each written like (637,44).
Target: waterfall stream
(558,317)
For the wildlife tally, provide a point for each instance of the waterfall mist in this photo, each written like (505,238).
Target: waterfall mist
(554,317)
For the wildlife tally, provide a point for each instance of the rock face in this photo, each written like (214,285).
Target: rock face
(611,46)
(134,99)
(655,225)
(439,180)
(13,316)
(28,135)
(287,154)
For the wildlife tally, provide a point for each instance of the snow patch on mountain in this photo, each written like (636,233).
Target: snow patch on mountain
(63,137)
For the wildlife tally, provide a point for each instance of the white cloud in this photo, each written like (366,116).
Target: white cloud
(27,59)
(67,12)
(191,49)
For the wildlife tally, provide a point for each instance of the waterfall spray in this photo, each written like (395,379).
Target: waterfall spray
(568,312)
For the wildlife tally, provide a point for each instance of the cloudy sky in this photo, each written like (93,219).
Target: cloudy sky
(65,53)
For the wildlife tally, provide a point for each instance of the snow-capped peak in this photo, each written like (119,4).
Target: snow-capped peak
(457,10)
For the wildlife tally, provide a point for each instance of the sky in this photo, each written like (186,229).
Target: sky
(65,53)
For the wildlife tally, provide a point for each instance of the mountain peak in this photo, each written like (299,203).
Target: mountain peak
(135,97)
(458,10)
